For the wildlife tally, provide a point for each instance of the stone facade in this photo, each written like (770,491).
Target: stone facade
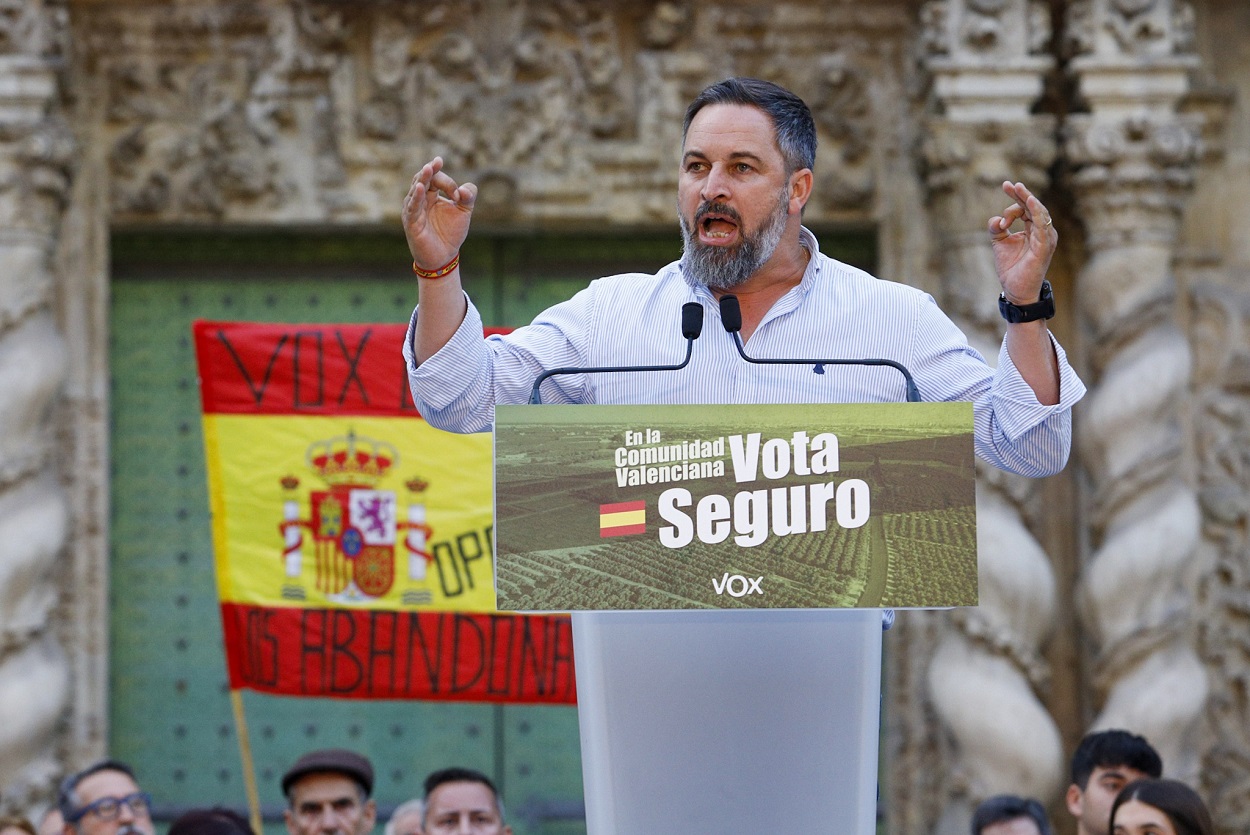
(1113,594)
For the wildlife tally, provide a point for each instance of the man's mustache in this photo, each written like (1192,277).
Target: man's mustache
(721,209)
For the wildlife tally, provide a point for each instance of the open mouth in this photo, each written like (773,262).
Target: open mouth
(717,228)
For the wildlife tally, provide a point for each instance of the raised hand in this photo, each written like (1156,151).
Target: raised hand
(436,215)
(1022,258)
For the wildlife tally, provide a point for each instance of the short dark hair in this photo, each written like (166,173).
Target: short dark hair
(67,795)
(457,774)
(1008,807)
(790,115)
(1184,808)
(214,821)
(1104,749)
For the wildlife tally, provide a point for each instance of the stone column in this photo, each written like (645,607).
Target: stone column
(987,61)
(1134,158)
(34,176)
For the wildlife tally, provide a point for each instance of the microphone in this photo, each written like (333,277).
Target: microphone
(731,317)
(691,327)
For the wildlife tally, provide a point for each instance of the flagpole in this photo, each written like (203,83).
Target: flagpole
(245,753)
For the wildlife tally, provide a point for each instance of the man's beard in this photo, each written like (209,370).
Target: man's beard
(726,267)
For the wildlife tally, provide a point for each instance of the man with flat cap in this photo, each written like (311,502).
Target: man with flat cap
(328,793)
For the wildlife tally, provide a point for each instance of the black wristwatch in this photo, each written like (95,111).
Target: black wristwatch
(1043,308)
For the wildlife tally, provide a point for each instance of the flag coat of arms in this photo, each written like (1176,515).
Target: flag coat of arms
(353,542)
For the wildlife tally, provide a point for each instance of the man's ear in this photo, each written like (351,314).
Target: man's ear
(370,815)
(1075,800)
(800,189)
(287,817)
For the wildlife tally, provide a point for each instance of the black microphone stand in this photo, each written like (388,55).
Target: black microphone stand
(731,318)
(691,327)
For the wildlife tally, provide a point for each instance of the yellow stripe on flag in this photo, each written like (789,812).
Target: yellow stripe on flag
(628,517)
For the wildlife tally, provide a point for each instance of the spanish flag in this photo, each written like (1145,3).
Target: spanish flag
(353,540)
(622,518)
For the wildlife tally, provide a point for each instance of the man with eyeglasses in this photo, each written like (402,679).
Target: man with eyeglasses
(328,792)
(105,799)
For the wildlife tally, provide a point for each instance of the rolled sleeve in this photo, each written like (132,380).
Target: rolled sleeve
(452,388)
(1026,436)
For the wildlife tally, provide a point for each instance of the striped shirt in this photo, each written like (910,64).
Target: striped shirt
(836,311)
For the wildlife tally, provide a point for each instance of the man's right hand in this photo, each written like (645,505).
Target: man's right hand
(436,215)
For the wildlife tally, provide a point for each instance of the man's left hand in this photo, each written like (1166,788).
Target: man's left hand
(1022,258)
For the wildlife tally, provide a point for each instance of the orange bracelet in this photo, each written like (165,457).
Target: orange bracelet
(440,272)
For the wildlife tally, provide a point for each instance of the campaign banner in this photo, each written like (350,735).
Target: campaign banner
(353,541)
(744,506)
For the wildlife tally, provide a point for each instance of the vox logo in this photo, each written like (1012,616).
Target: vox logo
(737,586)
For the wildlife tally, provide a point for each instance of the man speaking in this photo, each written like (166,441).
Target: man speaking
(746,173)
(739,721)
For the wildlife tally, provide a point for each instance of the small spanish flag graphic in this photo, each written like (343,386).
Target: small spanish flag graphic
(622,518)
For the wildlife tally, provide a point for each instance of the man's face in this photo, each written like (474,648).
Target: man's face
(1092,807)
(111,785)
(734,198)
(463,808)
(325,803)
(1016,826)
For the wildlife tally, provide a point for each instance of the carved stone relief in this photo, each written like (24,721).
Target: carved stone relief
(35,154)
(1220,339)
(987,670)
(1135,159)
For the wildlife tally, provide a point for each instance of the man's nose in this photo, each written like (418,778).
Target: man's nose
(716,186)
(328,820)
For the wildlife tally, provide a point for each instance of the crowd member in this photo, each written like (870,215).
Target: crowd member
(16,825)
(406,819)
(1103,764)
(215,821)
(1007,814)
(105,799)
(51,822)
(329,793)
(745,177)
(1160,807)
(461,800)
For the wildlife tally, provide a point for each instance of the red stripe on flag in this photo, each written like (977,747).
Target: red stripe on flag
(621,507)
(622,530)
(355,654)
(278,369)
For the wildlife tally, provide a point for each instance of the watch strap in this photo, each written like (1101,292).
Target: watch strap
(1043,308)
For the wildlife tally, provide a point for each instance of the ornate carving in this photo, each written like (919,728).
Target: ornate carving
(987,666)
(1134,160)
(1220,338)
(982,30)
(1130,28)
(35,154)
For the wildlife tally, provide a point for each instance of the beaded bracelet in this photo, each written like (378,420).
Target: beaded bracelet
(440,272)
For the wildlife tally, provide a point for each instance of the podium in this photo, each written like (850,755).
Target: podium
(729,721)
(725,571)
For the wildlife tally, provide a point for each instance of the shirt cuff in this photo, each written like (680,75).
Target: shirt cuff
(451,362)
(1016,406)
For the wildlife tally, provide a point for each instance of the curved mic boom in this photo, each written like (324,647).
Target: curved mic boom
(731,317)
(691,327)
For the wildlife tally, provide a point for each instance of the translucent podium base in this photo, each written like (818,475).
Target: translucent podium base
(729,721)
